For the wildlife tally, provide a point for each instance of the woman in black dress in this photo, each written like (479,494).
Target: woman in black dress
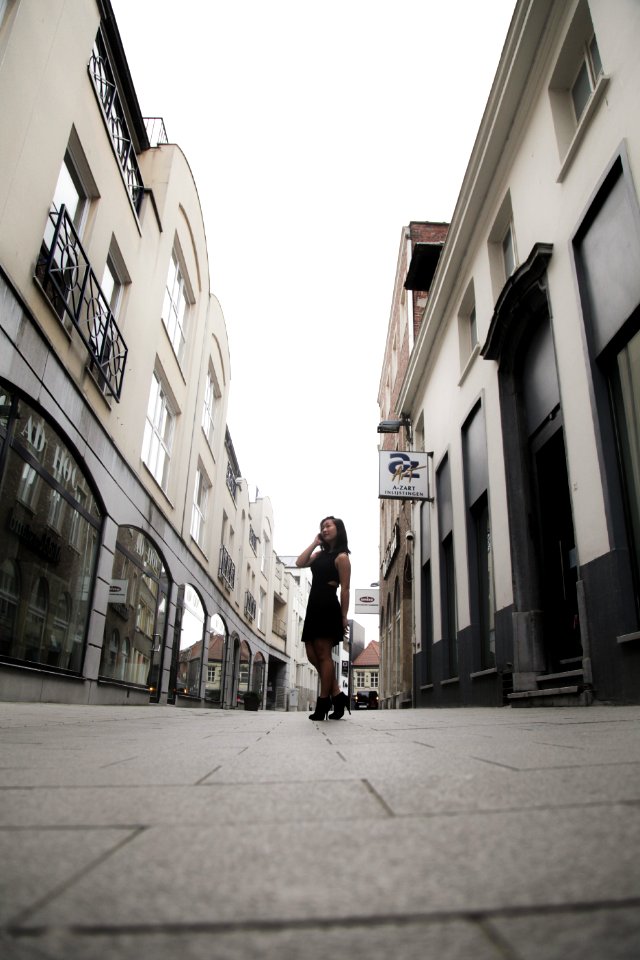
(326,622)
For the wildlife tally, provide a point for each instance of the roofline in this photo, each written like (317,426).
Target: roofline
(527,27)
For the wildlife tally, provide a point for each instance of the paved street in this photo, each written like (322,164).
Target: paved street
(449,834)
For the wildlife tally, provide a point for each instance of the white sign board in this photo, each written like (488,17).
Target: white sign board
(367,601)
(118,591)
(404,475)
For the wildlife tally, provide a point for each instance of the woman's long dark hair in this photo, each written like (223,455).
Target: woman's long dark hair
(342,544)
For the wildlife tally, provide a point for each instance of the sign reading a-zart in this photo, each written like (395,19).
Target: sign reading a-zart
(403,475)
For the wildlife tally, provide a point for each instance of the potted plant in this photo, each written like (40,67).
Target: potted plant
(252,700)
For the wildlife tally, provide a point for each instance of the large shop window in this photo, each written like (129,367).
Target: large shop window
(625,384)
(136,615)
(50,525)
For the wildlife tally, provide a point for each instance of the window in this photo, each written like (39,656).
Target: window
(174,308)
(49,546)
(508,252)
(577,85)
(70,192)
(134,626)
(158,433)
(199,512)
(374,678)
(467,326)
(211,394)
(587,78)
(503,251)
(625,383)
(112,286)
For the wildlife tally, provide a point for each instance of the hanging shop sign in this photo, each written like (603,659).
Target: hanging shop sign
(404,475)
(368,600)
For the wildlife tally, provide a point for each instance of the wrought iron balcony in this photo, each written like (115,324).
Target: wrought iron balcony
(156,131)
(232,482)
(226,568)
(69,282)
(253,540)
(104,83)
(250,605)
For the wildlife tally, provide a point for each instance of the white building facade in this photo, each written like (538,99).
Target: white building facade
(524,381)
(128,540)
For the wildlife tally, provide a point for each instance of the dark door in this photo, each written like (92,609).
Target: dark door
(555,543)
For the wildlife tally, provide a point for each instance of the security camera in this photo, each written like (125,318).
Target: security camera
(409,535)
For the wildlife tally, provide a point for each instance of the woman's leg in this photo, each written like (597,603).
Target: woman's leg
(328,682)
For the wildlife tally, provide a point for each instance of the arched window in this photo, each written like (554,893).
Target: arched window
(136,613)
(50,535)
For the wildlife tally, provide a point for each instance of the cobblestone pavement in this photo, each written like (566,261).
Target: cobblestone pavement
(505,834)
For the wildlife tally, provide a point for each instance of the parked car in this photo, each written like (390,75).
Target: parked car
(366,700)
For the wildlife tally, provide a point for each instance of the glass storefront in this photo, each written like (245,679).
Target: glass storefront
(625,384)
(190,644)
(136,614)
(216,649)
(50,526)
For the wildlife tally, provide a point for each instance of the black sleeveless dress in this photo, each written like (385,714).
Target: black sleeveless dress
(323,619)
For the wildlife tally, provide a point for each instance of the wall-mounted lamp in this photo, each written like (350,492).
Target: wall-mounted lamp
(394,426)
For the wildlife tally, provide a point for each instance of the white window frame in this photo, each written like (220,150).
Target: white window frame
(159,431)
(592,70)
(199,508)
(209,409)
(175,306)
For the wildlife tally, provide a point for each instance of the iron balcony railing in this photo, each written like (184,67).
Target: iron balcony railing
(156,133)
(232,483)
(253,539)
(72,287)
(107,92)
(226,568)
(250,605)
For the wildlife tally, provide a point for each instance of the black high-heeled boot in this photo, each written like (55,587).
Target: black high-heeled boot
(340,701)
(323,705)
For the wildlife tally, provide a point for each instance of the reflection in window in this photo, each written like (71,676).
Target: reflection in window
(191,644)
(9,596)
(47,552)
(244,668)
(28,489)
(134,626)
(626,394)
(216,645)
(36,617)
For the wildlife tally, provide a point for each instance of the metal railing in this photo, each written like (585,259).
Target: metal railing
(250,605)
(104,83)
(226,568)
(156,133)
(232,483)
(279,627)
(72,287)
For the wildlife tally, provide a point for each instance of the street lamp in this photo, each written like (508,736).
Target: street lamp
(394,426)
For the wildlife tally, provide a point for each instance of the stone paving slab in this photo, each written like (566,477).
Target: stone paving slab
(135,832)
(222,803)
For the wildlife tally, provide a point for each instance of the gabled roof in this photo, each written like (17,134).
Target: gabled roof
(370,656)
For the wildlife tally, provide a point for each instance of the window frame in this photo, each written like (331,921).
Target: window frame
(174,320)
(165,443)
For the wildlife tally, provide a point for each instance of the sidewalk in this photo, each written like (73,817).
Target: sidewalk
(157,832)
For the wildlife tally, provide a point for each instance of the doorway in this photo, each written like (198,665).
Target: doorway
(556,549)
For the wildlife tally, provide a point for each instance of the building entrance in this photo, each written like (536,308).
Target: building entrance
(556,551)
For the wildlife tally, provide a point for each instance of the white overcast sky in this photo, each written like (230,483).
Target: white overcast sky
(314,133)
